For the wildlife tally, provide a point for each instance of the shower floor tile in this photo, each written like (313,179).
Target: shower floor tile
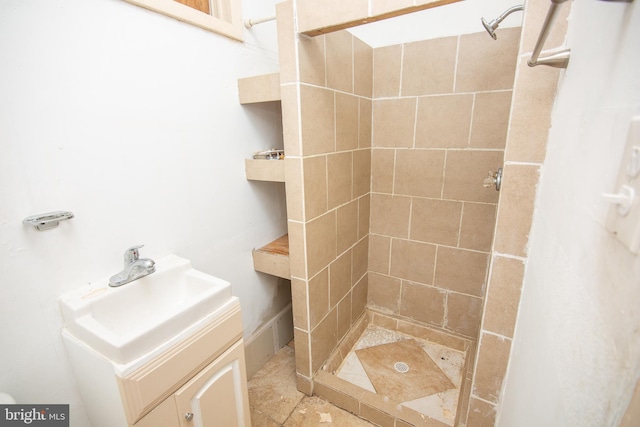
(433,391)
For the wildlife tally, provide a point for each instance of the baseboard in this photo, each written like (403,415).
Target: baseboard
(267,340)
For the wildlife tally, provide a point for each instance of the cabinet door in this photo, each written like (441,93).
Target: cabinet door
(217,396)
(163,415)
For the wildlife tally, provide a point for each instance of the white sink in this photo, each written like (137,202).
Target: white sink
(127,322)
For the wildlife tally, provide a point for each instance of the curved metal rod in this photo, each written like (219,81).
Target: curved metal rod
(558,58)
(491,26)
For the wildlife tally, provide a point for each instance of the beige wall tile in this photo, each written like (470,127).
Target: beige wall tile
(311,54)
(463,314)
(419,173)
(364,212)
(503,296)
(533,99)
(490,119)
(359,298)
(336,396)
(347,118)
(384,292)
(384,321)
(324,339)
(344,316)
(315,186)
(461,270)
(361,172)
(339,56)
(444,121)
(465,172)
(339,278)
(481,414)
(387,63)
(485,64)
(412,260)
(363,68)
(435,221)
(535,14)
(429,66)
(297,249)
(293,188)
(491,367)
(304,384)
(318,124)
(340,178)
(360,263)
(382,170)
(422,303)
(393,122)
(478,222)
(299,303)
(430,334)
(318,289)
(286,42)
(290,120)
(321,242)
(376,416)
(390,215)
(347,217)
(364,131)
(379,252)
(303,360)
(515,211)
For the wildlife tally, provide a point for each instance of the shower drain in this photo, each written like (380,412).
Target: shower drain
(401,367)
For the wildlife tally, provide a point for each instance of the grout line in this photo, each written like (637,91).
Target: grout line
(455,67)
(415,124)
(473,110)
(460,225)
(401,71)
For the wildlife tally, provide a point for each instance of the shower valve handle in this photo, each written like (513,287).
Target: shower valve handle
(494,179)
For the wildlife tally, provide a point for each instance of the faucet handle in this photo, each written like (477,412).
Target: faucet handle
(132,254)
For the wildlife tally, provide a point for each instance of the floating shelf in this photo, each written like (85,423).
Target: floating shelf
(265,88)
(273,258)
(264,170)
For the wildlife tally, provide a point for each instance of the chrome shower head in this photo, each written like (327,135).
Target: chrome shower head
(492,26)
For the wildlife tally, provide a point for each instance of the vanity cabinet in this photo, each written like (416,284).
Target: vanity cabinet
(199,381)
(214,397)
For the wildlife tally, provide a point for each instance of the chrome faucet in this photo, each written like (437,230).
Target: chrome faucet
(134,268)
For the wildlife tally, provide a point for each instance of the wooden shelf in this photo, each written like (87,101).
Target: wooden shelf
(273,258)
(265,88)
(264,170)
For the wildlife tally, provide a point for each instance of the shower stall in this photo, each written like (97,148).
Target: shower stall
(391,227)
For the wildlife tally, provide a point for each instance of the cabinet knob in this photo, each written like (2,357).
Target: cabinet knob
(188,416)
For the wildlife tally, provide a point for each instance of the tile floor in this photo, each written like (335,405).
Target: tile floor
(275,401)
(415,373)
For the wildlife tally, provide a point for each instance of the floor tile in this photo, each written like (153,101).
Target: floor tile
(272,390)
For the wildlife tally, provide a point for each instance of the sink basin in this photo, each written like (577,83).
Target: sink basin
(132,320)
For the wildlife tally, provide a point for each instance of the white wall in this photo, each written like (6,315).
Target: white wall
(130,120)
(576,352)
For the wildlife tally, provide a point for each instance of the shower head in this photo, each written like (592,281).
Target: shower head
(491,26)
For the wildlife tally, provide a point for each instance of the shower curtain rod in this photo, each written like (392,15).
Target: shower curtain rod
(251,21)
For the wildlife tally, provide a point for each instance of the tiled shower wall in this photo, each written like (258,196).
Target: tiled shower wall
(326,86)
(440,116)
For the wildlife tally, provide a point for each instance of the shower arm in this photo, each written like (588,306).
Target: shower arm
(508,12)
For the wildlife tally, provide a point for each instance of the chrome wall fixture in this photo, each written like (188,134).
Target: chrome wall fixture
(48,220)
(492,26)
(558,58)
